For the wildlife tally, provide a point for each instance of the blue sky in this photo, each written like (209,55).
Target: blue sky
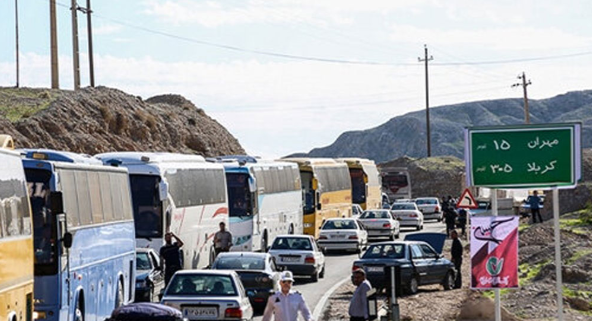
(275,105)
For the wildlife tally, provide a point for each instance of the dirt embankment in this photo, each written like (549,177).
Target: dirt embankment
(96,120)
(534,300)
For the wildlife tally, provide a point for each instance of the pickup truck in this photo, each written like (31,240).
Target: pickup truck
(430,207)
(380,223)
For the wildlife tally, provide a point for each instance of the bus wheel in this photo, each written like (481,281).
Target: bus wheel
(119,298)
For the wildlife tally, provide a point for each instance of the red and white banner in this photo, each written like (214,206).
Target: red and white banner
(494,252)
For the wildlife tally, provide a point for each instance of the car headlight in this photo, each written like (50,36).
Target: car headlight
(141,283)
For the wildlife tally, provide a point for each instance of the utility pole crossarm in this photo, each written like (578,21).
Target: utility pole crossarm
(426,60)
(524,84)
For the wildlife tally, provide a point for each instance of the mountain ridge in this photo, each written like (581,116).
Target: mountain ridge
(405,135)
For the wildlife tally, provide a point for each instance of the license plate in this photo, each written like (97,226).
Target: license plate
(338,236)
(375,269)
(200,312)
(290,259)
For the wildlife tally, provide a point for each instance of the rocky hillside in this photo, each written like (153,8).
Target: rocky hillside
(432,176)
(96,120)
(405,135)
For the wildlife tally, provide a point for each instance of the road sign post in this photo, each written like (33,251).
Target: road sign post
(526,156)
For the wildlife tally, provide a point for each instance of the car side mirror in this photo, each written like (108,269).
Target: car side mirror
(67,239)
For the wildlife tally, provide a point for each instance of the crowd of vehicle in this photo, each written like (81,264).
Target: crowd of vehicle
(81,235)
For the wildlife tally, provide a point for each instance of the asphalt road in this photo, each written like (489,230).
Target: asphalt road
(338,267)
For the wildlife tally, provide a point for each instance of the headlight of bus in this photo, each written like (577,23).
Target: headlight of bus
(38,315)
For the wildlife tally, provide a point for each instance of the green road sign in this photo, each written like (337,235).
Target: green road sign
(525,156)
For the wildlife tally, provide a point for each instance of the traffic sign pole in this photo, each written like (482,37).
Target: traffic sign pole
(559,282)
(498,303)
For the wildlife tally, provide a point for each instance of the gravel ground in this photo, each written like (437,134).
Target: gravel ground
(535,300)
(443,305)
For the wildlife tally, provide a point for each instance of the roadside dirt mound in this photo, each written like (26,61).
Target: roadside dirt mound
(96,120)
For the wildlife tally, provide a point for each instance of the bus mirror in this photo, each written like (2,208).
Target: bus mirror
(57,202)
(67,239)
(163,190)
(252,184)
(315,184)
(319,206)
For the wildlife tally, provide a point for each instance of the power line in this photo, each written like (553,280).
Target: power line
(328,60)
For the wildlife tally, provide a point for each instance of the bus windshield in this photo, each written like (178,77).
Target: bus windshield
(239,196)
(44,234)
(358,186)
(147,206)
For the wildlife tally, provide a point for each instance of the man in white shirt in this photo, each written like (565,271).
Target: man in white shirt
(358,306)
(285,304)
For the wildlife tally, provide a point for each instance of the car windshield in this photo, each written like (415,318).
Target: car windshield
(292,243)
(375,214)
(403,207)
(204,284)
(339,225)
(143,261)
(239,263)
(426,201)
(385,251)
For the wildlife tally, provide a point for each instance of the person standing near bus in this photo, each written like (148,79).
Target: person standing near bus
(222,240)
(171,255)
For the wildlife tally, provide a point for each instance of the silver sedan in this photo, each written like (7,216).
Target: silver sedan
(208,295)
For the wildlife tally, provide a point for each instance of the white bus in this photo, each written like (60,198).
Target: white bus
(265,200)
(176,193)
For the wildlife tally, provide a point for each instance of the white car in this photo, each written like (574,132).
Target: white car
(430,207)
(343,234)
(380,223)
(299,254)
(356,210)
(408,215)
(208,295)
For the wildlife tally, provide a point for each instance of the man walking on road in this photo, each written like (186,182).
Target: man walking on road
(358,306)
(534,201)
(285,304)
(222,240)
(171,256)
(457,252)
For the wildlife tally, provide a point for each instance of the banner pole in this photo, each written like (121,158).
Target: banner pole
(558,276)
(498,303)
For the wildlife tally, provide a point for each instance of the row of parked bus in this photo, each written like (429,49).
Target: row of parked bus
(71,222)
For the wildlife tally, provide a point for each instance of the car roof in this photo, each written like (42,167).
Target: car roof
(405,203)
(144,250)
(398,242)
(219,272)
(243,254)
(427,198)
(294,236)
(377,210)
(341,219)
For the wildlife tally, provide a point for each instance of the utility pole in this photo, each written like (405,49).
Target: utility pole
(524,84)
(16,29)
(75,55)
(91,61)
(427,88)
(55,76)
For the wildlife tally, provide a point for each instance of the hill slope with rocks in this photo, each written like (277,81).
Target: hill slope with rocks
(405,135)
(96,120)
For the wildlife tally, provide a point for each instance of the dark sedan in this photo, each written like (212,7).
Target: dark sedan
(418,262)
(149,275)
(257,272)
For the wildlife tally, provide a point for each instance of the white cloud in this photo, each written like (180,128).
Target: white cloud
(106,29)
(278,108)
(217,13)
(505,38)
